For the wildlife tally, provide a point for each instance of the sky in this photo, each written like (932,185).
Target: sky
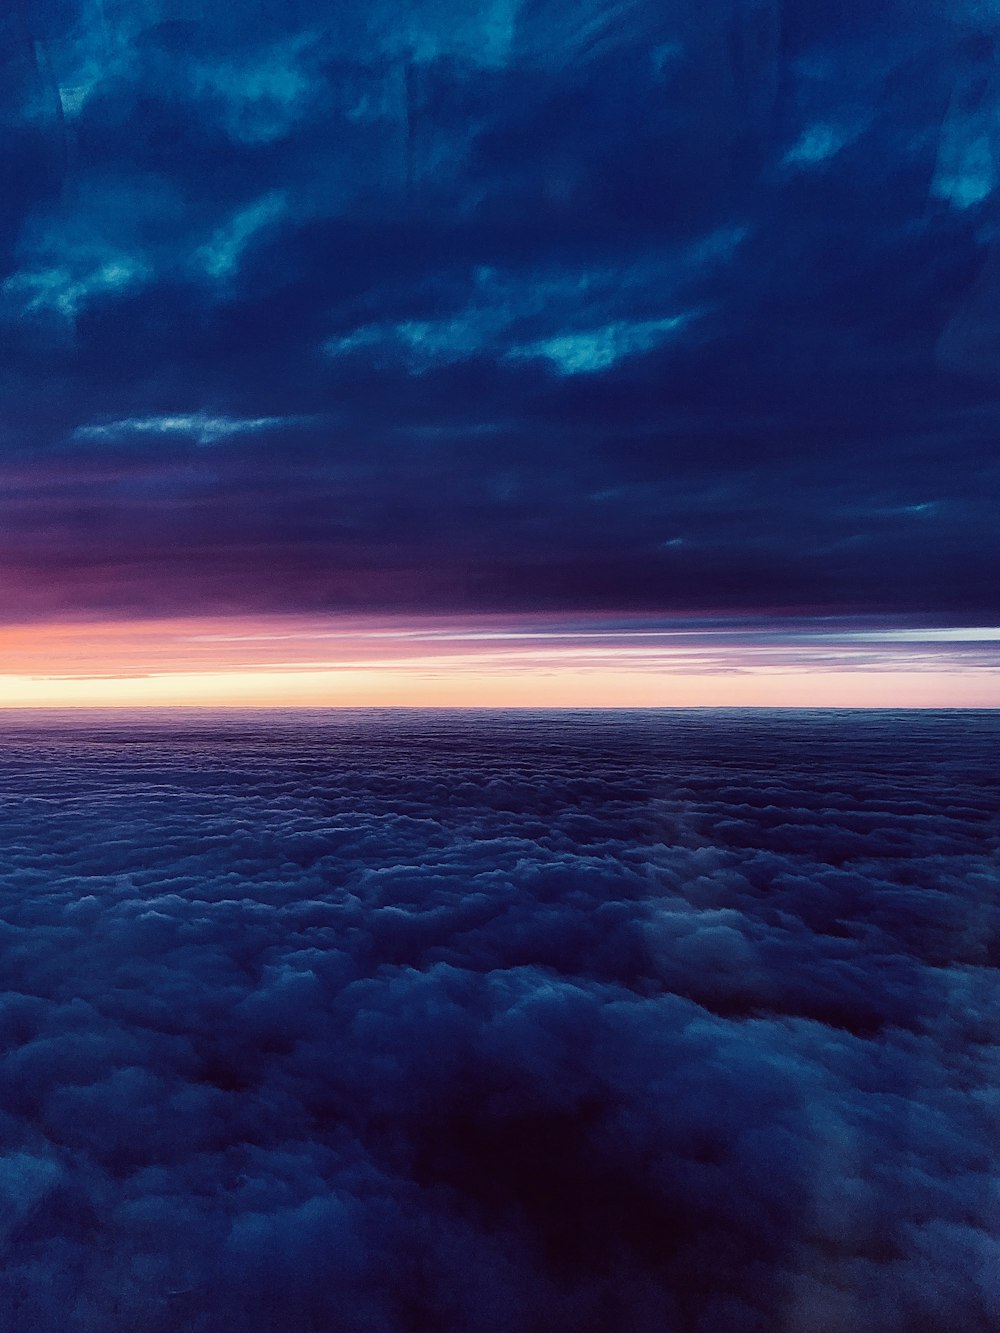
(665,336)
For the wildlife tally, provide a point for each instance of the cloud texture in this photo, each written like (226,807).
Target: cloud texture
(510,305)
(412,1022)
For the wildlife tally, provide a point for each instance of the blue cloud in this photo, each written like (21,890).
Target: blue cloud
(733,264)
(400,1022)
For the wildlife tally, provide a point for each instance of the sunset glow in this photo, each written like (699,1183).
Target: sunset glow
(487,662)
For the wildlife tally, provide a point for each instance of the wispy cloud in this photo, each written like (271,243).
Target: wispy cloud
(220,255)
(587,351)
(202,427)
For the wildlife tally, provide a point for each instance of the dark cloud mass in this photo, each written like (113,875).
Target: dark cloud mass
(397,1021)
(508,305)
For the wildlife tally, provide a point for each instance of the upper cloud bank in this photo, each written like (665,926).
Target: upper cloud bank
(534,305)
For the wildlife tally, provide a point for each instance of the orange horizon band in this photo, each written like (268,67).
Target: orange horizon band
(286,661)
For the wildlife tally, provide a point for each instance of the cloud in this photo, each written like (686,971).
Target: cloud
(653,1021)
(731,270)
(599,349)
(817,144)
(202,427)
(220,256)
(267,91)
(548,315)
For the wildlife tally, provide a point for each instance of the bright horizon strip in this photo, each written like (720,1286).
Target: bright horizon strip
(498,662)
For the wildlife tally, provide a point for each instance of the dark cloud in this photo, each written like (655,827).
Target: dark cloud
(672,1022)
(530,292)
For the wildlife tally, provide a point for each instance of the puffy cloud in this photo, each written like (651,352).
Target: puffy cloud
(667,1022)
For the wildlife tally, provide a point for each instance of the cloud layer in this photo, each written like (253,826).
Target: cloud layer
(526,304)
(405,1022)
